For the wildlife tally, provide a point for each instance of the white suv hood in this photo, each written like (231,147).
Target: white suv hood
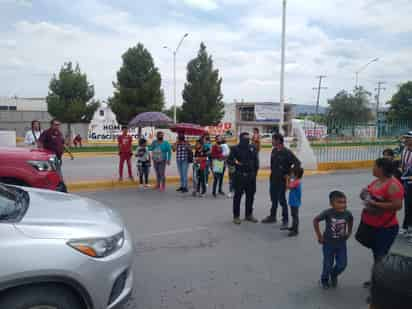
(54,215)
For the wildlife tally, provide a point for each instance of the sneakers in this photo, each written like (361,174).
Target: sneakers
(269,220)
(251,219)
(293,234)
(179,189)
(237,221)
(324,284)
(230,195)
(184,190)
(334,281)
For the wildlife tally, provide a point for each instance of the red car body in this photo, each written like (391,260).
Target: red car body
(18,167)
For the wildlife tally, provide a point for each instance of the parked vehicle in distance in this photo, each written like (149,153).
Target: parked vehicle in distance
(61,251)
(30,167)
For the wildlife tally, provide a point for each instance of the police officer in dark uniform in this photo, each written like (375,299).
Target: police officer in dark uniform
(245,159)
(281,161)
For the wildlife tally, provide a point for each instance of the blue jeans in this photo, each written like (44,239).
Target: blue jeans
(183,167)
(335,260)
(384,239)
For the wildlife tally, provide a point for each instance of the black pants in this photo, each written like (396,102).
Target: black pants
(217,181)
(244,184)
(143,169)
(278,196)
(294,211)
(201,181)
(407,222)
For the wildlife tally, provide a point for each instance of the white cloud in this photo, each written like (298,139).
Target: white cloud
(207,5)
(323,37)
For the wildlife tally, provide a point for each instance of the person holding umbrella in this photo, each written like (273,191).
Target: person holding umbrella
(161,155)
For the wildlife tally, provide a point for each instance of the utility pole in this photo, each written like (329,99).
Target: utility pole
(282,68)
(378,97)
(319,88)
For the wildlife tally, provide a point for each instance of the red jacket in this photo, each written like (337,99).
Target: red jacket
(217,152)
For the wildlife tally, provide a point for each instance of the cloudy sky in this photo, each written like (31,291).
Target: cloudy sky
(333,38)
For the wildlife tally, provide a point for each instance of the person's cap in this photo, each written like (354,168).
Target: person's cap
(407,135)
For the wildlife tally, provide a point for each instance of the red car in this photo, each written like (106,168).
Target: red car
(30,167)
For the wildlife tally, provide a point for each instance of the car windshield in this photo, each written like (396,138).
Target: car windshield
(13,203)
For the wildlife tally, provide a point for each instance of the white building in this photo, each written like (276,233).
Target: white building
(23,104)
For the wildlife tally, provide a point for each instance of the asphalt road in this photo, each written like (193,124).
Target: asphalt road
(107,167)
(188,254)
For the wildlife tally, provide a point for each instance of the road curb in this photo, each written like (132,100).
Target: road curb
(111,184)
(345,165)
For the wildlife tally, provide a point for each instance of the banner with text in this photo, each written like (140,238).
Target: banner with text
(267,112)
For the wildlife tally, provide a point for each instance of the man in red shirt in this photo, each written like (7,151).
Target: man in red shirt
(52,140)
(125,152)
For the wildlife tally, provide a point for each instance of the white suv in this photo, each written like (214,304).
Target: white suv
(61,251)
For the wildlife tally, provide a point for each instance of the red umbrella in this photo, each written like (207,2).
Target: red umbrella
(188,129)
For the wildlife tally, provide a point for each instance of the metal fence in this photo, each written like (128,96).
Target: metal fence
(349,153)
(346,141)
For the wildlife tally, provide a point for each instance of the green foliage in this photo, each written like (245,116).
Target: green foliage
(170,112)
(202,95)
(401,103)
(69,94)
(347,107)
(138,86)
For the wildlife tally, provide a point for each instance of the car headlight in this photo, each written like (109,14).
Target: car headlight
(98,247)
(42,166)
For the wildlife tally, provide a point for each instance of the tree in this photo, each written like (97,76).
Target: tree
(401,103)
(202,95)
(170,112)
(69,96)
(138,86)
(350,108)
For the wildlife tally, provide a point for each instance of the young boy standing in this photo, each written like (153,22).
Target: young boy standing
(339,224)
(295,198)
(125,152)
(143,162)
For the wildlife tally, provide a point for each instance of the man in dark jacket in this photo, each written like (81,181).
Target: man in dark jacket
(245,159)
(281,161)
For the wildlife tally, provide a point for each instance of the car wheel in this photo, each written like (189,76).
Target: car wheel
(41,297)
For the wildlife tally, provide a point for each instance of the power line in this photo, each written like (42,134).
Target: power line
(319,88)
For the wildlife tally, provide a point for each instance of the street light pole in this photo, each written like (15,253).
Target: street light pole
(174,88)
(282,70)
(362,69)
(174,75)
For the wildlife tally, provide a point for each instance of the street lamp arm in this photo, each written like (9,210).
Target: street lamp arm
(366,65)
(180,43)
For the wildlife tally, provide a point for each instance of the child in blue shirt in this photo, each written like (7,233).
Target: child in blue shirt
(295,198)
